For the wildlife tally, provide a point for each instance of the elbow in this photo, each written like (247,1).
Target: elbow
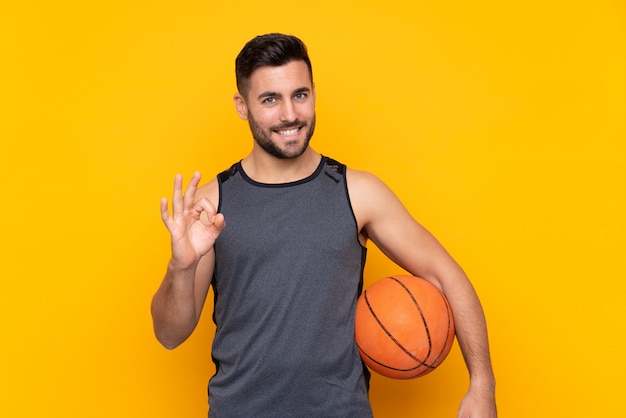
(170,331)
(167,333)
(169,345)
(167,342)
(168,336)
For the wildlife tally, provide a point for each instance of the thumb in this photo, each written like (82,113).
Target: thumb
(218,222)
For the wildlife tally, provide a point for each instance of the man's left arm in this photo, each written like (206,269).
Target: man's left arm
(384,219)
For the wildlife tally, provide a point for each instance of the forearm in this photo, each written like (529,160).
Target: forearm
(173,307)
(471,332)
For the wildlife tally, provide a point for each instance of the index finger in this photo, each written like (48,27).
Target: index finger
(190,193)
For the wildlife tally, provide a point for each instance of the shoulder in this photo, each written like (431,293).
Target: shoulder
(210,191)
(366,187)
(372,200)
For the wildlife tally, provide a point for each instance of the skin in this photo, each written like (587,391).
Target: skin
(280,108)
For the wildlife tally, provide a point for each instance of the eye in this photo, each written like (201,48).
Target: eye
(269,100)
(300,96)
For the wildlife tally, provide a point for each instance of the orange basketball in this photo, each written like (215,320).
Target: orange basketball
(404,327)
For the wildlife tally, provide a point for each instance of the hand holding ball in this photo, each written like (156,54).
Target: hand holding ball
(404,327)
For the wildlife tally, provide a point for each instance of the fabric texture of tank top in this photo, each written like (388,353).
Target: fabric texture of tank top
(288,272)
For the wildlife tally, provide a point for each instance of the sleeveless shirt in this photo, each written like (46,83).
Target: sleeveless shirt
(288,272)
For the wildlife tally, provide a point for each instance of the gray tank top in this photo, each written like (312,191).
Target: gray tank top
(288,272)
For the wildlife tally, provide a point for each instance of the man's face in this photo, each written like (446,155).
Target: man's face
(280,108)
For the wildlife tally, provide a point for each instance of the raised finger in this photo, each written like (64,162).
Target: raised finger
(165,213)
(177,200)
(190,192)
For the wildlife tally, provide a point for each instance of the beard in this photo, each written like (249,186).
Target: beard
(293,149)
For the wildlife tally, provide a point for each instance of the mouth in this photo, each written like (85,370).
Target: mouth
(288,133)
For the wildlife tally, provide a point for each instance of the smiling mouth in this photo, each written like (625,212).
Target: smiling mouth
(289,132)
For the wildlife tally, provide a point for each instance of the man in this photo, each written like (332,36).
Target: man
(288,268)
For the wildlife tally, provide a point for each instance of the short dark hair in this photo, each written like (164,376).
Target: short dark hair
(273,49)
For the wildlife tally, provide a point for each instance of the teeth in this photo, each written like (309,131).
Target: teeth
(289,132)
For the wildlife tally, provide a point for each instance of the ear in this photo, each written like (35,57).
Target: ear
(241,106)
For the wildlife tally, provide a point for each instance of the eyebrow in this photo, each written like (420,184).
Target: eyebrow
(276,94)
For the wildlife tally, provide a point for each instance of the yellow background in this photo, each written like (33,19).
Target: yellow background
(501,125)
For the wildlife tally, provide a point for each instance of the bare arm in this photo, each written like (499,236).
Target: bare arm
(383,219)
(194,226)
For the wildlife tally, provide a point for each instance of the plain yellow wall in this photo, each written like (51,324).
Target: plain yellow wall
(501,125)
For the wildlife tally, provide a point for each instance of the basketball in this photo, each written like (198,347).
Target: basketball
(404,327)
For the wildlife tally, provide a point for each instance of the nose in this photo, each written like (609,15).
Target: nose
(288,112)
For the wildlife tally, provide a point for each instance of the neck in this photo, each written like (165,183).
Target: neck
(265,168)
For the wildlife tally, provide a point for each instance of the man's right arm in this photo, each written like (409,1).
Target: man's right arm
(177,304)
(193,226)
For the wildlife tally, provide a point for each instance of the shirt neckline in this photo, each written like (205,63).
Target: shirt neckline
(306,179)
